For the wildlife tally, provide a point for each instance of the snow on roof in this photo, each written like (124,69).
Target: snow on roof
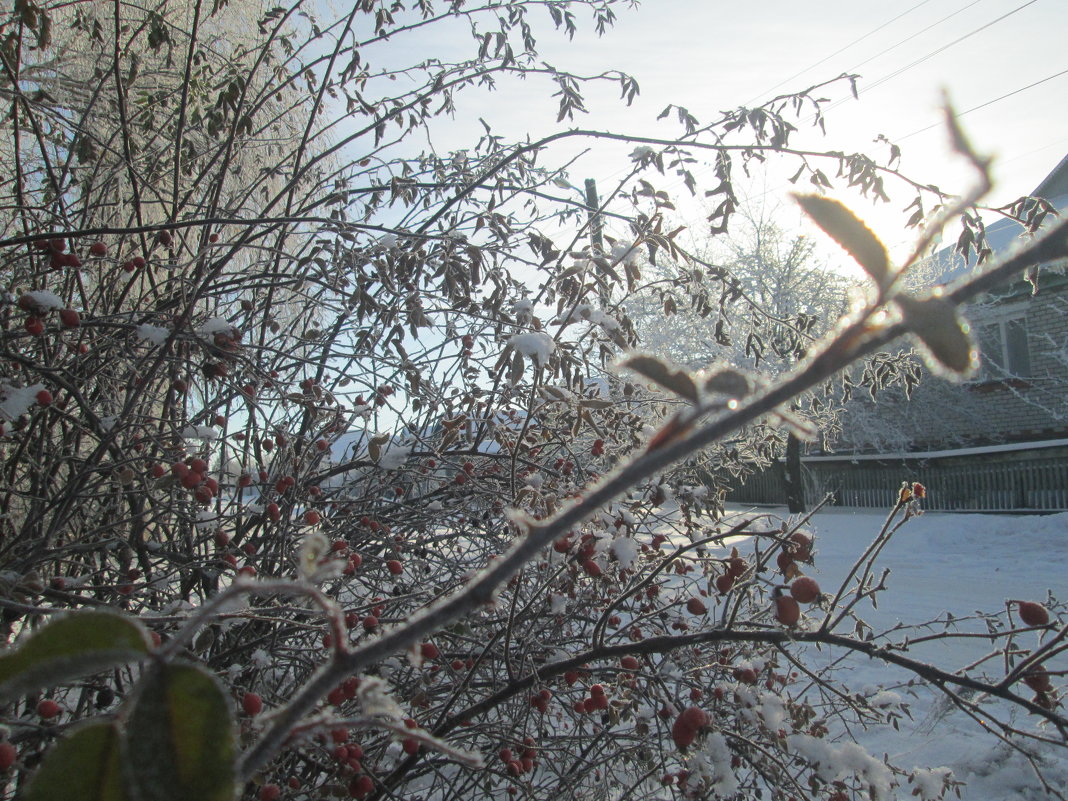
(1003,448)
(1004,234)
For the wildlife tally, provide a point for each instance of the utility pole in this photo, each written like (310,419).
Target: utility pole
(593,208)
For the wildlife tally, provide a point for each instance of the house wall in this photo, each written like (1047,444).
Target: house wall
(991,408)
(1032,406)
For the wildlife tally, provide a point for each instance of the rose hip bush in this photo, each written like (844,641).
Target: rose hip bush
(329,468)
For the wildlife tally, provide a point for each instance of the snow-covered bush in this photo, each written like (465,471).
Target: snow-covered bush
(329,469)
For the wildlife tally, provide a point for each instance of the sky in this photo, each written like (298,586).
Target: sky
(709,56)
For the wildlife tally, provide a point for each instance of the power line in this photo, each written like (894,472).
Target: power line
(920,32)
(936,52)
(918,61)
(842,50)
(987,103)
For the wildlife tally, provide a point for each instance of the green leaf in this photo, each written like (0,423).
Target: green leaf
(849,232)
(670,376)
(87,765)
(69,647)
(944,336)
(180,737)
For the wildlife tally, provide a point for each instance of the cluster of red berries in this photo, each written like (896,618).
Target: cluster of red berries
(36,312)
(687,726)
(523,762)
(58,257)
(540,700)
(736,568)
(597,701)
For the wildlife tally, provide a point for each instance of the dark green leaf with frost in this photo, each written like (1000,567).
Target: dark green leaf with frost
(180,737)
(72,646)
(86,766)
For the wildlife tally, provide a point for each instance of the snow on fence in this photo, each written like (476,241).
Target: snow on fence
(1021,483)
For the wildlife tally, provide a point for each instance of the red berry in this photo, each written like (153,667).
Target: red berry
(787,610)
(252,704)
(34,325)
(361,786)
(273,512)
(1037,678)
(312,517)
(429,651)
(459,478)
(247,570)
(695,606)
(69,318)
(410,745)
(213,238)
(745,675)
(44,398)
(805,589)
(98,249)
(1033,614)
(192,479)
(8,755)
(799,546)
(47,708)
(630,663)
(395,567)
(270,792)
(370,623)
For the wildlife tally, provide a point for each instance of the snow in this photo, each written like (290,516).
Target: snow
(16,401)
(977,451)
(153,333)
(523,310)
(216,325)
(207,433)
(394,456)
(626,551)
(49,301)
(938,562)
(534,345)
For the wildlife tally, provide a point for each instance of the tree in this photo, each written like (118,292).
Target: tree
(326,419)
(757,301)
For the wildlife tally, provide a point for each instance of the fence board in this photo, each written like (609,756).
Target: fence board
(1024,483)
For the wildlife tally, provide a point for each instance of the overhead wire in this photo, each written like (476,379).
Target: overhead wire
(937,51)
(880,81)
(987,103)
(839,51)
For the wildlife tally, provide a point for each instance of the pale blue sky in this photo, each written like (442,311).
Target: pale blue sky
(709,55)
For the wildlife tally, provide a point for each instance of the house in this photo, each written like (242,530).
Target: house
(998,441)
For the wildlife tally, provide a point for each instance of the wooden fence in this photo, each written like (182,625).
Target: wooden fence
(1019,483)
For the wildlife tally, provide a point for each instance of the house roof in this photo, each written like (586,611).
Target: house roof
(1004,233)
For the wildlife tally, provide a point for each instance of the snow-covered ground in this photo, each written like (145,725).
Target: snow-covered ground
(957,563)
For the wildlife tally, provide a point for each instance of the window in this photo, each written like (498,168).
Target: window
(1003,347)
